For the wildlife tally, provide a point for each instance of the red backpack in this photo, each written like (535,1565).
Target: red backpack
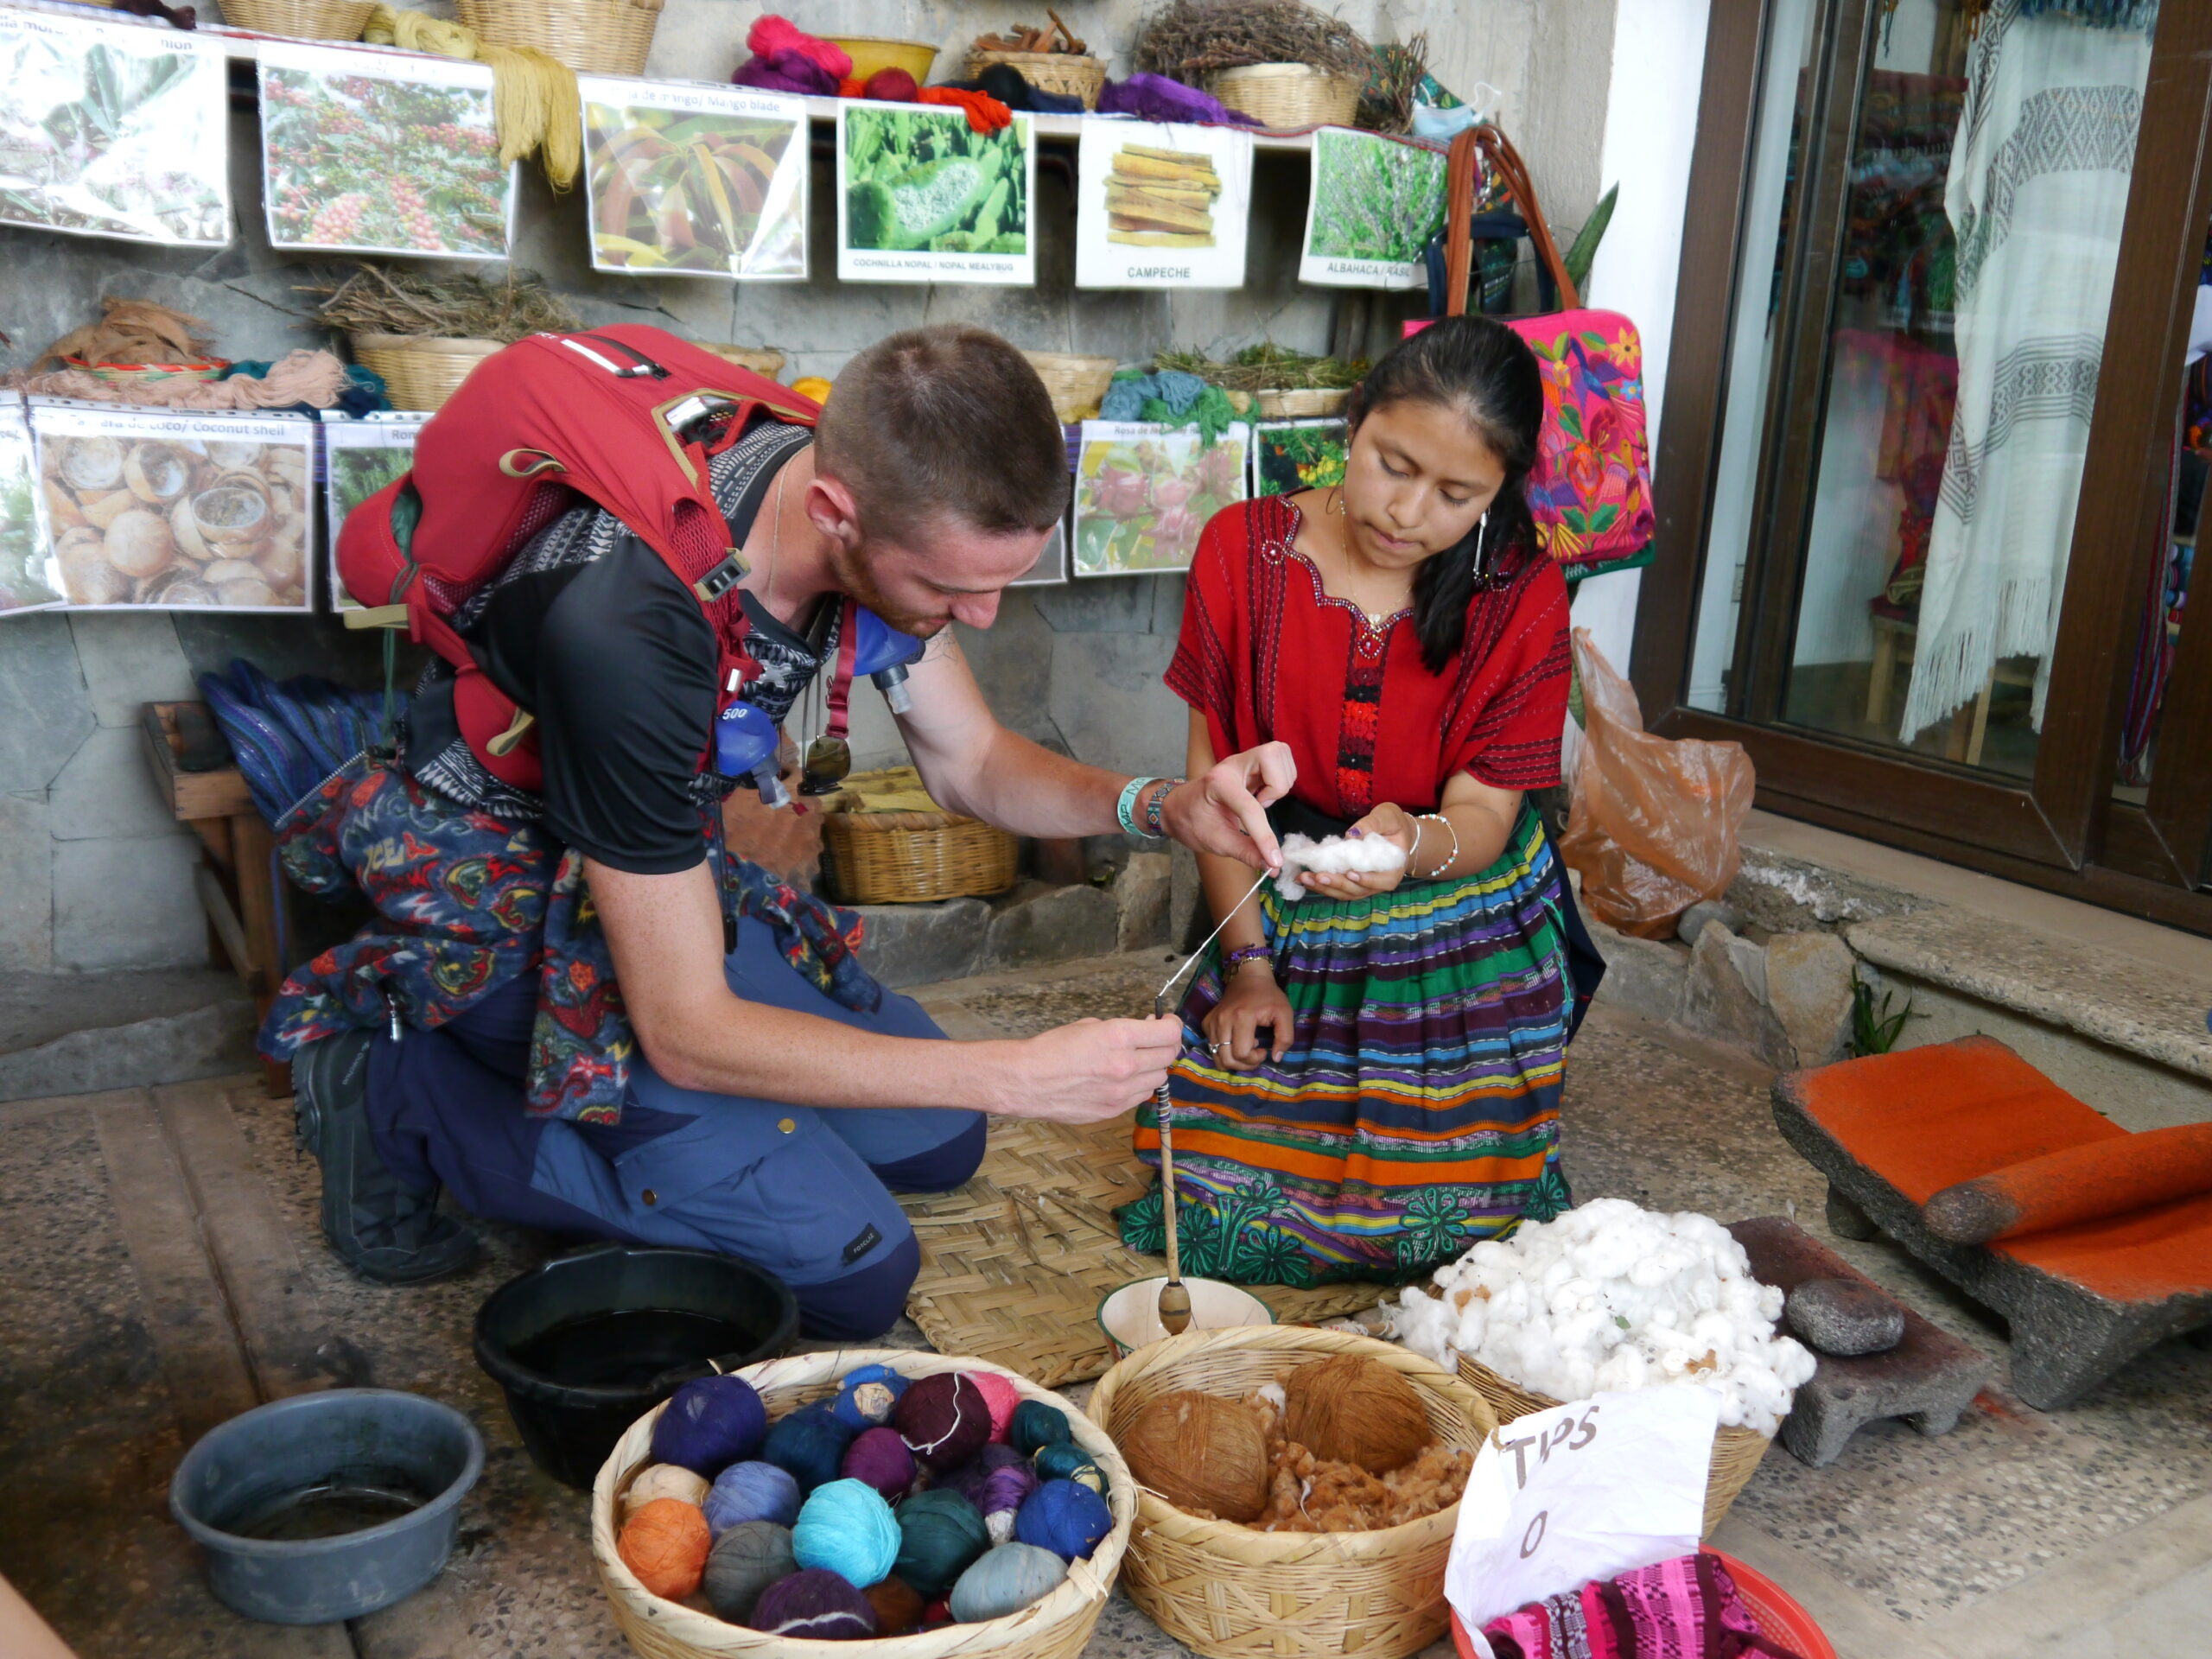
(625,417)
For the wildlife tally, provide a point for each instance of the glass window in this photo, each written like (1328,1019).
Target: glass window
(2150,664)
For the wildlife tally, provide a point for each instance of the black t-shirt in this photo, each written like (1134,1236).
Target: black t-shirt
(615,658)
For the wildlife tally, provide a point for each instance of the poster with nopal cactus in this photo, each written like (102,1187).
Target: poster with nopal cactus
(1376,204)
(368,151)
(108,129)
(922,197)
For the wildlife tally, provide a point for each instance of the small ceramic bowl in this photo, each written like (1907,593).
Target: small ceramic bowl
(1130,1316)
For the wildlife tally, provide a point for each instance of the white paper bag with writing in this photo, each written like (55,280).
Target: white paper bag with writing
(1585,1490)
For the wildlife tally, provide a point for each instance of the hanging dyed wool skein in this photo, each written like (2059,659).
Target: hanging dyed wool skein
(1200,1453)
(816,1604)
(1006,1581)
(940,1533)
(846,1527)
(944,1419)
(1066,1519)
(665,1544)
(708,1424)
(752,1491)
(810,1443)
(745,1561)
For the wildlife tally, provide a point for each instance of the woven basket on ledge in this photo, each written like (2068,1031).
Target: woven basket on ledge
(592,37)
(760,359)
(301,20)
(419,371)
(913,858)
(1231,1592)
(1075,383)
(1287,96)
(1303,402)
(1736,1451)
(1066,74)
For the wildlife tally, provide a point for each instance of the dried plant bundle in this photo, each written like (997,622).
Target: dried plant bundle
(1386,104)
(1189,40)
(385,299)
(135,331)
(1266,367)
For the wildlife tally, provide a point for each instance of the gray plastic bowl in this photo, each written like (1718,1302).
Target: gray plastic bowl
(375,1437)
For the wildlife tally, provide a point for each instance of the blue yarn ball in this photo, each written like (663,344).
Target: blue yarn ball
(711,1423)
(847,1527)
(1005,1581)
(1066,1519)
(751,1491)
(1065,1460)
(1036,1424)
(866,1397)
(810,1443)
(814,1604)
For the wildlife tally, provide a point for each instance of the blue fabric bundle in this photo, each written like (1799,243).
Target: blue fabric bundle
(866,1397)
(289,736)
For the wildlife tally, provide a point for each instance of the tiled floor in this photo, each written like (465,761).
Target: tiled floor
(164,1269)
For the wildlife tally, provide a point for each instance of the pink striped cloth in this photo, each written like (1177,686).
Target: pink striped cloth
(1687,1608)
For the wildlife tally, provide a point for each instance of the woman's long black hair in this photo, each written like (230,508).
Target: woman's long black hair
(1480,370)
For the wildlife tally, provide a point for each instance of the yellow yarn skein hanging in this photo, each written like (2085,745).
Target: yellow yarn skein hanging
(534,100)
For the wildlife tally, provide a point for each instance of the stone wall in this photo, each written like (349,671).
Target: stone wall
(93,875)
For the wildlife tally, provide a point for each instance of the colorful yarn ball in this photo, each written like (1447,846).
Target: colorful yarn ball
(816,1603)
(1066,1519)
(867,1396)
(1036,1424)
(745,1561)
(809,1443)
(1006,1581)
(969,1478)
(944,1419)
(1065,1460)
(1003,1495)
(752,1491)
(665,1544)
(938,1613)
(663,1480)
(1001,1395)
(847,1527)
(879,1457)
(940,1533)
(711,1423)
(898,1606)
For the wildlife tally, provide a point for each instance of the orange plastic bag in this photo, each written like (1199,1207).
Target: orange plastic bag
(1656,824)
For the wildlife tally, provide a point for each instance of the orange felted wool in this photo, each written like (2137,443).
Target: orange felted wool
(2115,1177)
(665,1544)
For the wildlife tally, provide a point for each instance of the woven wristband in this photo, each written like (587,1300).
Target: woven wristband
(1242,955)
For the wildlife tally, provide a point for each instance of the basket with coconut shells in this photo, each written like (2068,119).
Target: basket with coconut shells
(1297,1489)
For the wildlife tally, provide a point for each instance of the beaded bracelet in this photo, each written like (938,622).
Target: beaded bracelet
(1155,807)
(1454,856)
(1242,955)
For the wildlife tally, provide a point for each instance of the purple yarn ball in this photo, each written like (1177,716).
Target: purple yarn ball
(969,1479)
(879,1459)
(711,1423)
(945,1418)
(813,1603)
(1003,1495)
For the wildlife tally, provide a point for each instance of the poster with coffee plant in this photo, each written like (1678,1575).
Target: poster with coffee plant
(1376,204)
(27,579)
(690,180)
(145,508)
(1162,205)
(924,197)
(368,151)
(1288,456)
(360,458)
(110,129)
(1143,492)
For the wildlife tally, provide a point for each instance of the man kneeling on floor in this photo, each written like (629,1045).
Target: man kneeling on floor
(576,1011)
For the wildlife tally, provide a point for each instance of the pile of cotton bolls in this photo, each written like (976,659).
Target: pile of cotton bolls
(1371,855)
(1611,1298)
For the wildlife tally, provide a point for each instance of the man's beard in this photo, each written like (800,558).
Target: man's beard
(857,581)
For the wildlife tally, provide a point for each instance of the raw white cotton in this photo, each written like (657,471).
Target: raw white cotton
(1612,1296)
(1371,854)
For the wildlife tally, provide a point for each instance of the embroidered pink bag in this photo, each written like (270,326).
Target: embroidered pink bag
(1590,491)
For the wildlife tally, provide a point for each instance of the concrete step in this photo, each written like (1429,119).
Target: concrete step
(1033,925)
(79,1033)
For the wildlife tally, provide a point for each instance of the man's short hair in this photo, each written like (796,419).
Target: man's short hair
(947,420)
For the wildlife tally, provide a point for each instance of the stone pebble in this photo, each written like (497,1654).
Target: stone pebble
(1843,1317)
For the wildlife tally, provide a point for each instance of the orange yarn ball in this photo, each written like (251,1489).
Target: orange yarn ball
(665,1544)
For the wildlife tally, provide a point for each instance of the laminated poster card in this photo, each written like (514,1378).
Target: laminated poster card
(1288,456)
(152,509)
(1377,203)
(360,458)
(922,198)
(1052,567)
(695,180)
(28,577)
(111,129)
(369,152)
(1143,492)
(1162,205)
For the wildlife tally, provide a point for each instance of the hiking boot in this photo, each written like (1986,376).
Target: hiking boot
(384,1231)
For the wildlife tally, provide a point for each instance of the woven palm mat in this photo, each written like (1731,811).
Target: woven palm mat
(1015,1262)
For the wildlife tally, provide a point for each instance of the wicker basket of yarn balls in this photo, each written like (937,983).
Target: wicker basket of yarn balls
(592,37)
(1231,1591)
(758,360)
(1057,1627)
(1283,96)
(301,20)
(1303,402)
(421,371)
(1068,74)
(1074,383)
(1736,1451)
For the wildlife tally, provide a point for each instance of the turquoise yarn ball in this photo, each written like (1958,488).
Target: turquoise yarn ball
(1036,1424)
(847,1527)
(810,1443)
(1065,1460)
(940,1534)
(1006,1581)
(1066,1519)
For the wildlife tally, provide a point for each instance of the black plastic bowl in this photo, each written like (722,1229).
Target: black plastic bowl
(588,1344)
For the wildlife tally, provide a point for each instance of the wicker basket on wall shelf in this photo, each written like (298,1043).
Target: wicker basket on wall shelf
(420,371)
(1302,403)
(760,360)
(594,37)
(301,20)
(1287,96)
(1074,383)
(1067,74)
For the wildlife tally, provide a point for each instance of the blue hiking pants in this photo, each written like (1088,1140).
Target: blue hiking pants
(805,1193)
